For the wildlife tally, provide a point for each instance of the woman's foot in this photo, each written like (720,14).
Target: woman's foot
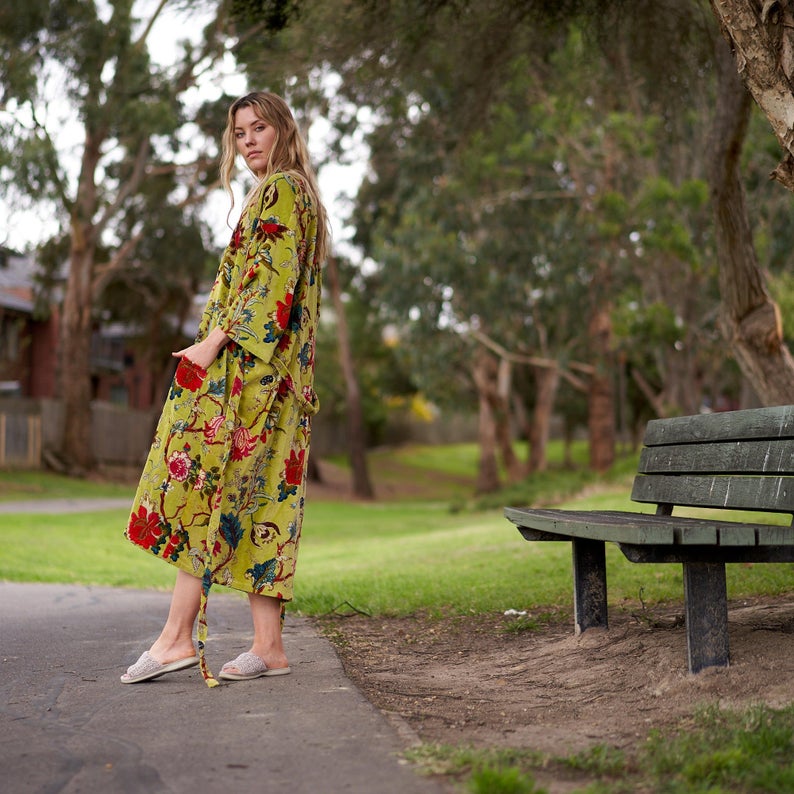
(249,665)
(167,650)
(148,667)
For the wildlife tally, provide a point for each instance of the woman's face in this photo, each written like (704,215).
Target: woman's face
(254,138)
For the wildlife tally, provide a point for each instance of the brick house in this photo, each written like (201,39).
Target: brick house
(29,342)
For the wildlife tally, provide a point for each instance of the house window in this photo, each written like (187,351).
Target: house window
(9,339)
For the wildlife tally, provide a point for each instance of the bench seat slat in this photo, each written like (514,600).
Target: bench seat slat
(645,529)
(700,534)
(728,457)
(749,424)
(767,494)
(614,525)
(737,536)
(775,536)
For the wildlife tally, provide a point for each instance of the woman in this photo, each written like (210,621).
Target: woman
(221,494)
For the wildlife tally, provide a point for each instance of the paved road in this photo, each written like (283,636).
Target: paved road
(68,725)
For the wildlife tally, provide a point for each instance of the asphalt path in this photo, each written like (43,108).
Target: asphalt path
(68,725)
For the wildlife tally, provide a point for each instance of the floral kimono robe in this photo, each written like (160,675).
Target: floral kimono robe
(221,494)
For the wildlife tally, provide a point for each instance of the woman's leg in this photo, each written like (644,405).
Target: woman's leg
(267,645)
(176,639)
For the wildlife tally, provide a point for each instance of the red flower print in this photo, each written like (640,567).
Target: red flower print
(211,428)
(179,465)
(173,542)
(269,230)
(237,239)
(237,387)
(293,467)
(243,443)
(189,375)
(201,479)
(144,528)
(284,310)
(273,230)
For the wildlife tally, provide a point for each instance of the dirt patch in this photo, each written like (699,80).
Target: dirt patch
(472,681)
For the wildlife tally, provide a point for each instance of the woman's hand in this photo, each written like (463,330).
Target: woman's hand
(204,352)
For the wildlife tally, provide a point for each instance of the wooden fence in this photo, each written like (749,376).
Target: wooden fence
(20,440)
(29,429)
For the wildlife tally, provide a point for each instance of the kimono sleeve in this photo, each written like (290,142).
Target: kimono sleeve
(260,307)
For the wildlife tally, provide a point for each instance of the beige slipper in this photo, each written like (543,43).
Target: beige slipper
(249,665)
(147,668)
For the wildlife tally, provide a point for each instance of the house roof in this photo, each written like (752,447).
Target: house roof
(16,281)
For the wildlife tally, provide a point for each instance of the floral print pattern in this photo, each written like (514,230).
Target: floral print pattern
(221,494)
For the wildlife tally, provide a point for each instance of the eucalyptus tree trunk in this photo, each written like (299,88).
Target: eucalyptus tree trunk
(74,359)
(500,397)
(601,394)
(759,32)
(357,447)
(483,371)
(750,319)
(547,381)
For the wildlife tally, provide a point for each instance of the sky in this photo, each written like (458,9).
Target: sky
(22,229)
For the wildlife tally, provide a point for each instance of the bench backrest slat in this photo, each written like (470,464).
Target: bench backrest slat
(741,460)
(767,494)
(728,457)
(751,424)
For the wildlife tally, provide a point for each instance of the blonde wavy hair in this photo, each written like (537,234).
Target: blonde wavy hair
(289,155)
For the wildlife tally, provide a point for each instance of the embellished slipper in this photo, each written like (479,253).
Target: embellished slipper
(249,665)
(147,668)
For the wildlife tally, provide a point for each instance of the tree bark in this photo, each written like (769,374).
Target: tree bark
(362,486)
(487,470)
(760,35)
(547,381)
(601,397)
(74,359)
(75,365)
(749,318)
(500,395)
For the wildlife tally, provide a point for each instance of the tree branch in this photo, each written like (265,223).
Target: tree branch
(131,185)
(534,361)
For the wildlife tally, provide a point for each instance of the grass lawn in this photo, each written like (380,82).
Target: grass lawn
(383,558)
(21,485)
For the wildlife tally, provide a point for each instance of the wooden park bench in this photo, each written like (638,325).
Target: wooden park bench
(738,460)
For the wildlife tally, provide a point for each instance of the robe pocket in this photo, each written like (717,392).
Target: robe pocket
(189,375)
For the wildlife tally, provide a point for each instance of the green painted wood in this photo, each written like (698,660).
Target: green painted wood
(745,457)
(698,535)
(589,585)
(740,535)
(754,423)
(669,554)
(706,607)
(775,536)
(643,528)
(595,525)
(766,494)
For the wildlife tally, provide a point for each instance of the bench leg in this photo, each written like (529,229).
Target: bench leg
(589,584)
(706,604)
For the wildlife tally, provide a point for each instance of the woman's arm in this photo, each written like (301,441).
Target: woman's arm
(204,352)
